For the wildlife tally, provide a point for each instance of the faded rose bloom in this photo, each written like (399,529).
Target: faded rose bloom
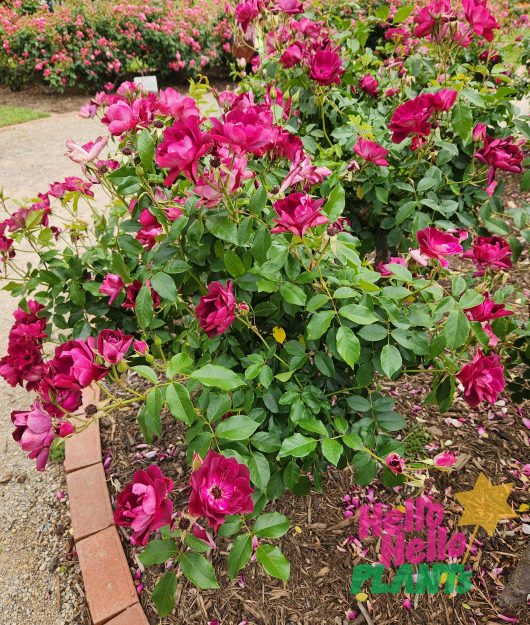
(112,285)
(297,212)
(184,144)
(393,260)
(34,433)
(216,310)
(490,252)
(487,311)
(74,366)
(504,154)
(113,345)
(371,152)
(444,459)
(325,66)
(303,172)
(395,463)
(369,85)
(86,153)
(220,486)
(144,505)
(482,378)
(88,110)
(437,244)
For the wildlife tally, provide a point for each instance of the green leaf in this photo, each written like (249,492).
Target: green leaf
(236,428)
(471,298)
(260,471)
(239,554)
(332,450)
(273,561)
(220,377)
(293,294)
(313,425)
(391,360)
(402,13)
(179,403)
(353,441)
(358,314)
(373,333)
(158,552)
(198,570)
(146,150)
(179,363)
(144,307)
(297,446)
(164,285)
(462,121)
(271,525)
(348,346)
(319,324)
(456,329)
(146,372)
(325,364)
(234,264)
(164,594)
(335,204)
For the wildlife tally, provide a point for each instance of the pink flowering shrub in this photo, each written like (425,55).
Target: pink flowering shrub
(91,44)
(270,254)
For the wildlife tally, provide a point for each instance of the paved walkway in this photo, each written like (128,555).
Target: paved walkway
(37,584)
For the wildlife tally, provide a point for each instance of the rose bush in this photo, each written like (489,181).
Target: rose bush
(89,44)
(269,254)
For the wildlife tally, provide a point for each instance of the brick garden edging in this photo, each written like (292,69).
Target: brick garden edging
(109,588)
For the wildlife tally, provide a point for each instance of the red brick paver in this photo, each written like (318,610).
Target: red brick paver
(84,449)
(108,583)
(132,616)
(89,501)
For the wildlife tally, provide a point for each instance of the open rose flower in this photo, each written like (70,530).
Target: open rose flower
(490,252)
(481,20)
(74,366)
(487,311)
(113,345)
(297,212)
(144,505)
(431,19)
(112,285)
(86,153)
(371,152)
(412,118)
(119,118)
(220,486)
(443,99)
(482,379)
(369,85)
(437,244)
(325,66)
(395,463)
(217,309)
(34,433)
(504,154)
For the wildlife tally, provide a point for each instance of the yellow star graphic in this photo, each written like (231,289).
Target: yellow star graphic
(486,504)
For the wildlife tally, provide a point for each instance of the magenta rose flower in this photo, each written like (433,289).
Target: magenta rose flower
(171,102)
(246,130)
(369,85)
(144,505)
(246,12)
(217,309)
(482,379)
(490,252)
(443,100)
(28,323)
(437,244)
(481,20)
(131,293)
(395,463)
(34,433)
(479,132)
(325,66)
(74,366)
(120,118)
(371,152)
(220,486)
(113,345)
(393,260)
(487,311)
(297,212)
(412,118)
(112,285)
(184,144)
(504,154)
(292,55)
(23,362)
(431,18)
(290,7)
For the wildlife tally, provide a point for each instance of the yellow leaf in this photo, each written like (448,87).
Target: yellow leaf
(360,193)
(524,507)
(297,529)
(361,596)
(279,334)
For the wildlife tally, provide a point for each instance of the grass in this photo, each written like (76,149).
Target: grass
(10,115)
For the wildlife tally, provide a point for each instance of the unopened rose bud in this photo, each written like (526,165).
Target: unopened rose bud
(150,358)
(243,308)
(122,366)
(196,461)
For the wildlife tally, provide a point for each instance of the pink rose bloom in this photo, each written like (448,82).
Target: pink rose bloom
(220,486)
(28,322)
(371,152)
(34,433)
(74,366)
(248,130)
(140,347)
(113,345)
(504,154)
(85,153)
(482,378)
(303,172)
(391,91)
(150,229)
(88,110)
(481,20)
(246,12)
(144,505)
(444,459)
(120,118)
(394,260)
(131,293)
(412,118)
(112,285)
(443,100)
(290,7)
(437,244)
(490,252)
(171,102)
(479,132)
(69,399)
(487,311)
(433,17)
(325,66)
(297,212)
(184,144)
(395,463)
(217,309)
(369,85)
(292,55)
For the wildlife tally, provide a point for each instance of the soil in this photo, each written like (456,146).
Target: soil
(321,544)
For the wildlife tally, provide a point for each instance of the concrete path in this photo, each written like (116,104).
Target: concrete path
(37,585)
